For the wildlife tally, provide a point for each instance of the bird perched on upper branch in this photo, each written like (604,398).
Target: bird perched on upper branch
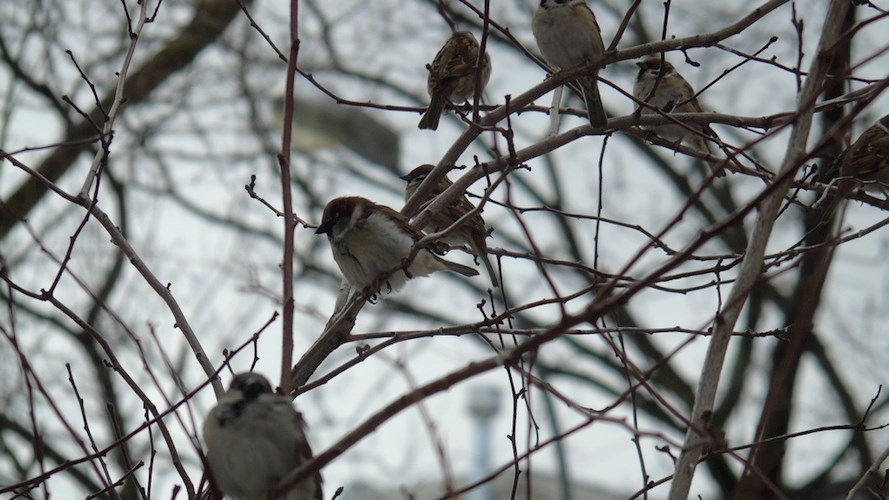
(452,75)
(568,36)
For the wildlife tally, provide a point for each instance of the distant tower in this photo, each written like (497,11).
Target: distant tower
(483,406)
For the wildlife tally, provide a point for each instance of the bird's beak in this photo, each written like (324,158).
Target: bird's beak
(406,177)
(325,227)
(640,64)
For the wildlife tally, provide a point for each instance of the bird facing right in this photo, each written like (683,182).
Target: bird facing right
(254,439)
(568,36)
(472,231)
(452,75)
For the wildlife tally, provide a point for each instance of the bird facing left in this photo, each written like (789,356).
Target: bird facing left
(255,438)
(372,243)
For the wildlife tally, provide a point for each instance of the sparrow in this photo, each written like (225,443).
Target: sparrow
(254,439)
(452,75)
(568,36)
(472,231)
(371,244)
(867,159)
(660,86)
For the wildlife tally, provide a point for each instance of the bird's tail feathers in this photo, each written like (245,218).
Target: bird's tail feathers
(431,117)
(491,271)
(457,268)
(594,107)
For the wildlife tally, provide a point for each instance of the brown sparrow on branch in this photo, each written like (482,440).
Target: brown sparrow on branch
(867,159)
(371,244)
(471,231)
(254,438)
(660,86)
(452,75)
(568,36)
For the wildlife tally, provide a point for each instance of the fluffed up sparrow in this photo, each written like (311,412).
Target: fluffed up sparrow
(452,75)
(568,36)
(254,439)
(371,244)
(867,159)
(472,231)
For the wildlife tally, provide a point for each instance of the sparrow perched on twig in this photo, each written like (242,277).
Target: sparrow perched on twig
(568,36)
(660,86)
(254,439)
(471,231)
(452,75)
(866,161)
(371,244)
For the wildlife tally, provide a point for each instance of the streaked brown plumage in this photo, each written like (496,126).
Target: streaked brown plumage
(867,159)
(452,75)
(864,164)
(472,232)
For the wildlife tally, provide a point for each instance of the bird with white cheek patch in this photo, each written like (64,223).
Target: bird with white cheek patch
(371,244)
(254,439)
